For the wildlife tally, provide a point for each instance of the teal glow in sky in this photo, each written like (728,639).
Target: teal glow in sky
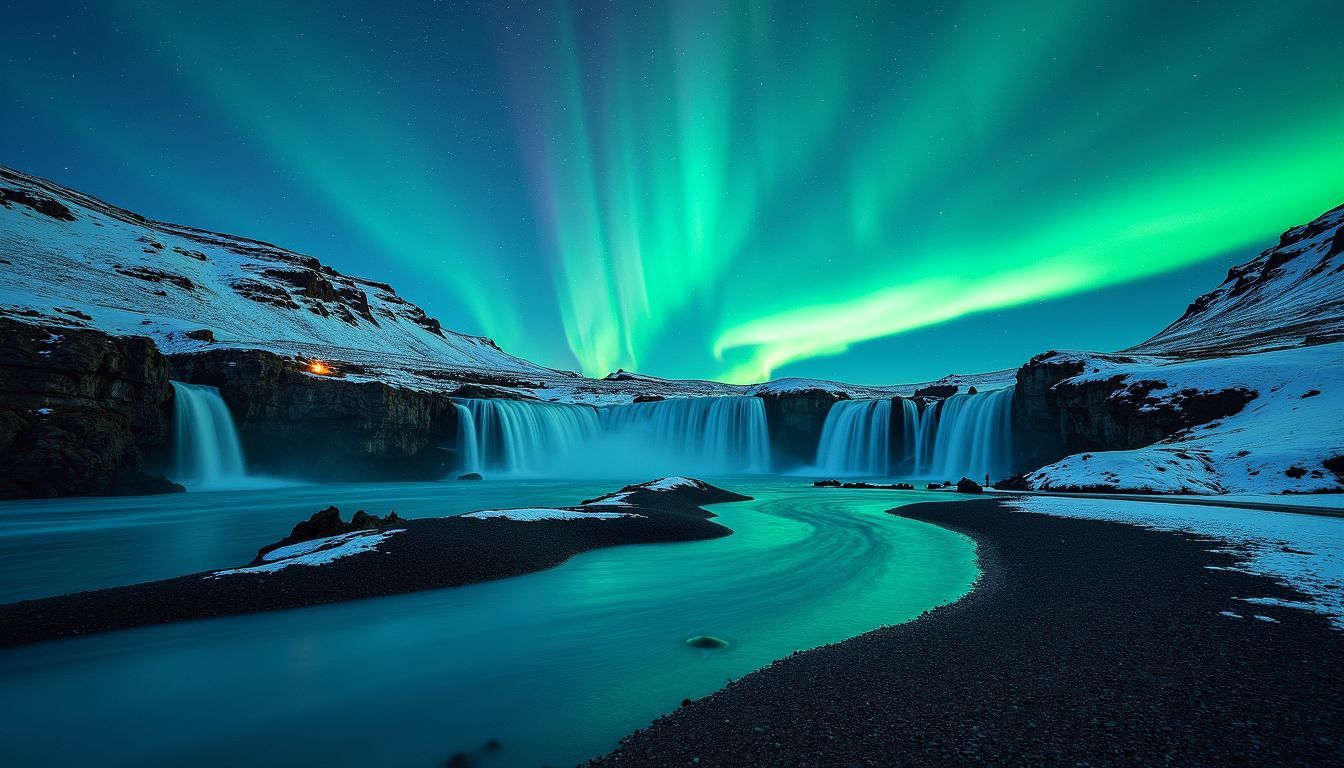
(874,192)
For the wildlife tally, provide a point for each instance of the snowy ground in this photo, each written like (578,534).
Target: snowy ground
(316,552)
(1277,444)
(1303,551)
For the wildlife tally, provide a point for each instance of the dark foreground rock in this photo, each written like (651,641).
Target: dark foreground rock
(1085,643)
(328,523)
(967,485)
(79,411)
(400,556)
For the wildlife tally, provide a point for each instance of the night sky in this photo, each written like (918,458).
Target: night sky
(735,190)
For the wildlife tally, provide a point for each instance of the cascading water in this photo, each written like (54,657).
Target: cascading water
(908,458)
(856,438)
(965,435)
(206,443)
(706,434)
(529,436)
(468,444)
(972,436)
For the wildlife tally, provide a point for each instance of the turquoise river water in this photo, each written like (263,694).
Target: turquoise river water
(555,665)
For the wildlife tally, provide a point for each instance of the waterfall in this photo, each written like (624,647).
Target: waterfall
(468,444)
(704,434)
(856,438)
(971,437)
(908,459)
(529,436)
(961,436)
(206,444)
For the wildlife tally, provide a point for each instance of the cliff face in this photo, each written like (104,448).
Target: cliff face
(325,427)
(79,411)
(795,418)
(1061,411)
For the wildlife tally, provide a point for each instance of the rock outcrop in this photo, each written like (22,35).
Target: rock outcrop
(326,427)
(79,411)
(1057,410)
(795,418)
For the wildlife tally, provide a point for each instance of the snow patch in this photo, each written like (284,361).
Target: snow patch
(316,552)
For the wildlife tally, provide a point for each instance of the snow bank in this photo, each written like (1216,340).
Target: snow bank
(1303,551)
(316,551)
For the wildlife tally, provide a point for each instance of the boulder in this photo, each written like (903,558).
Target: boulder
(967,485)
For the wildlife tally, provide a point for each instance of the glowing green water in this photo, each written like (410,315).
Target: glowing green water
(556,665)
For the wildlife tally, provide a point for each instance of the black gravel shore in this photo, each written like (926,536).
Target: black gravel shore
(1085,643)
(423,554)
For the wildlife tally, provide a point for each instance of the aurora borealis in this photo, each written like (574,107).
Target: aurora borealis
(867,191)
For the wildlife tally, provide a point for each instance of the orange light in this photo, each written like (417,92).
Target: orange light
(319,368)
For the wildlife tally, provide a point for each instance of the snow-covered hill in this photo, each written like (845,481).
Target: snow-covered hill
(1288,437)
(76,258)
(1292,294)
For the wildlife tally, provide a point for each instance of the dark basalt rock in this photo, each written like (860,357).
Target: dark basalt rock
(79,411)
(933,486)
(325,427)
(470,476)
(1335,465)
(327,523)
(39,203)
(1054,417)
(204,334)
(151,275)
(707,642)
(967,485)
(937,390)
(1017,482)
(648,398)
(795,419)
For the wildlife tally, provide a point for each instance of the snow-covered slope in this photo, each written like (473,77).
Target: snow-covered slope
(76,258)
(1292,294)
(1289,438)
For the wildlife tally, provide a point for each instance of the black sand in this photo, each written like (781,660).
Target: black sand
(427,554)
(1086,643)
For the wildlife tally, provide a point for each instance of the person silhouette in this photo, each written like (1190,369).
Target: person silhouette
(986,479)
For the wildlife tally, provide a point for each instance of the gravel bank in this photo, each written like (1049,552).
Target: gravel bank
(1085,643)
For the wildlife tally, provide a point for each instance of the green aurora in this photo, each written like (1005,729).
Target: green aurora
(721,190)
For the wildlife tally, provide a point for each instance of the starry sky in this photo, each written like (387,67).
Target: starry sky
(876,192)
